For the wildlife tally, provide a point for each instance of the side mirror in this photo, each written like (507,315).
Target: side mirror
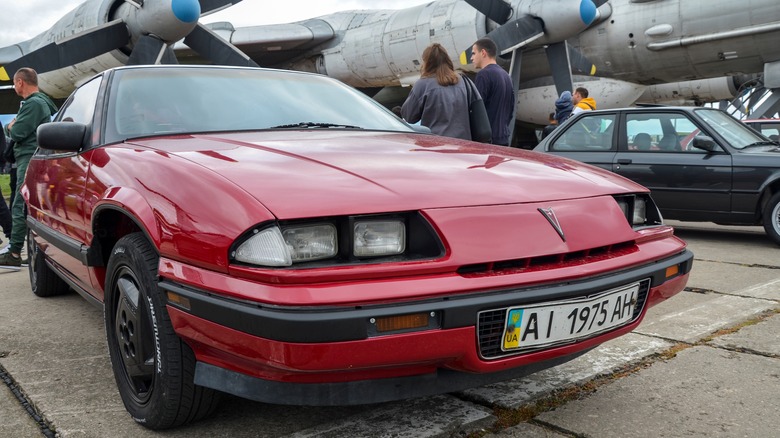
(705,142)
(62,136)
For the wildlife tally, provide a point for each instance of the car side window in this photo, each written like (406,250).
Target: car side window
(81,107)
(588,133)
(771,130)
(660,132)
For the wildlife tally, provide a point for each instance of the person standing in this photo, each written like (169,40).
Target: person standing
(36,109)
(5,213)
(495,86)
(581,101)
(563,107)
(439,99)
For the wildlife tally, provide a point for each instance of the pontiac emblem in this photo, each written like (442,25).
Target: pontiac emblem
(549,214)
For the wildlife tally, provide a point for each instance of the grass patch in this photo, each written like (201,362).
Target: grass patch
(5,185)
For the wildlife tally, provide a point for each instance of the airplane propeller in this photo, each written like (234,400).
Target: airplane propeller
(552,22)
(147,28)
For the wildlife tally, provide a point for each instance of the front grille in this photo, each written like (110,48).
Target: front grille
(490,326)
(554,261)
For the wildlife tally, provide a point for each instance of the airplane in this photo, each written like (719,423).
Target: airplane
(623,51)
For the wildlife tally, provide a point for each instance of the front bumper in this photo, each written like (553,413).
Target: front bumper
(330,355)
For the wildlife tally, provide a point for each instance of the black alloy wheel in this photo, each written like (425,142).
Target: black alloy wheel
(153,368)
(44,282)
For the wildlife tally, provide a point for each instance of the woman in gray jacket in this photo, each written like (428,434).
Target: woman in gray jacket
(439,99)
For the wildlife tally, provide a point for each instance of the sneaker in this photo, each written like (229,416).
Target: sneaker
(25,262)
(6,248)
(9,260)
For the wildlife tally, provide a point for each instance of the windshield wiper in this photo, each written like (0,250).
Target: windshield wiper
(761,143)
(315,125)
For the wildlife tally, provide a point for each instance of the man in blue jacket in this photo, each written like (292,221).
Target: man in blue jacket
(36,109)
(495,87)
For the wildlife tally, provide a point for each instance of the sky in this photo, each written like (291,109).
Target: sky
(21,20)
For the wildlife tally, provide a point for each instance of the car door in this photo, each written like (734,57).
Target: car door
(589,138)
(56,181)
(656,150)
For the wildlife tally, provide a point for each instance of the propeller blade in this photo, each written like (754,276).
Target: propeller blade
(558,57)
(580,64)
(213,47)
(76,49)
(497,10)
(512,35)
(211,6)
(517,33)
(150,50)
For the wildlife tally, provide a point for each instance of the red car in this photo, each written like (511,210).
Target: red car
(280,236)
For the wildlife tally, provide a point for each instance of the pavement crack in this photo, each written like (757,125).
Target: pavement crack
(746,265)
(25,403)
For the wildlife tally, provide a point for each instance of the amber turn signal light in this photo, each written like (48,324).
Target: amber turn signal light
(403,322)
(179,300)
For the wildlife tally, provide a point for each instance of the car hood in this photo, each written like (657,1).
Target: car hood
(303,173)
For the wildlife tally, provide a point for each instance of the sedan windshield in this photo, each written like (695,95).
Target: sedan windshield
(735,133)
(186,99)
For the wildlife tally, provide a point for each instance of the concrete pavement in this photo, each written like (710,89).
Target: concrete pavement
(704,363)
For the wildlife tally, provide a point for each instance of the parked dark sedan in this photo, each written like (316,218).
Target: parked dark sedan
(700,163)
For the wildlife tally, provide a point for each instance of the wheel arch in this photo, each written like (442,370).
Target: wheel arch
(117,217)
(770,188)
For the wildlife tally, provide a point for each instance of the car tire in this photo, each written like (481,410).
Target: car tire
(153,367)
(43,280)
(772,218)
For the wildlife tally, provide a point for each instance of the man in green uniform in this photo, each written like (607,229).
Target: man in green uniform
(36,108)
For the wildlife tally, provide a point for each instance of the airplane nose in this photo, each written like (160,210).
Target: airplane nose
(188,11)
(588,11)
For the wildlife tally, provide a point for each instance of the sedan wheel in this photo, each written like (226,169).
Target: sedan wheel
(772,218)
(43,280)
(152,366)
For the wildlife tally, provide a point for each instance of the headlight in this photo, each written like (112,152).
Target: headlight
(639,210)
(379,238)
(311,242)
(265,248)
(275,247)
(338,241)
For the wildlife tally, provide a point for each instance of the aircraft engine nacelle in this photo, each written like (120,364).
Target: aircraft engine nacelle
(90,14)
(562,18)
(695,92)
(387,47)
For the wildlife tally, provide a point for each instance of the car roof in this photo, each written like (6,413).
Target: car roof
(654,108)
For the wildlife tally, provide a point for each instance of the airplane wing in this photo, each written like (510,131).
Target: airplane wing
(268,45)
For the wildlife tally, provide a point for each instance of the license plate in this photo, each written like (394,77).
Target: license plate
(547,324)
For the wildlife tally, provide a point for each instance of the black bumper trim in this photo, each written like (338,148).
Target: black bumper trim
(317,324)
(360,391)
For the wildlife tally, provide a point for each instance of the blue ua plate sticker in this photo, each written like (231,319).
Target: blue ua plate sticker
(512,334)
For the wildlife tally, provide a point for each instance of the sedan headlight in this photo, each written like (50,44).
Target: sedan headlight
(379,238)
(275,247)
(338,241)
(639,210)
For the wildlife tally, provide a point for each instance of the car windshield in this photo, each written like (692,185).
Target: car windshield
(186,99)
(735,133)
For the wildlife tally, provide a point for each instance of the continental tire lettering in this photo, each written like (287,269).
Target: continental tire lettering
(158,352)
